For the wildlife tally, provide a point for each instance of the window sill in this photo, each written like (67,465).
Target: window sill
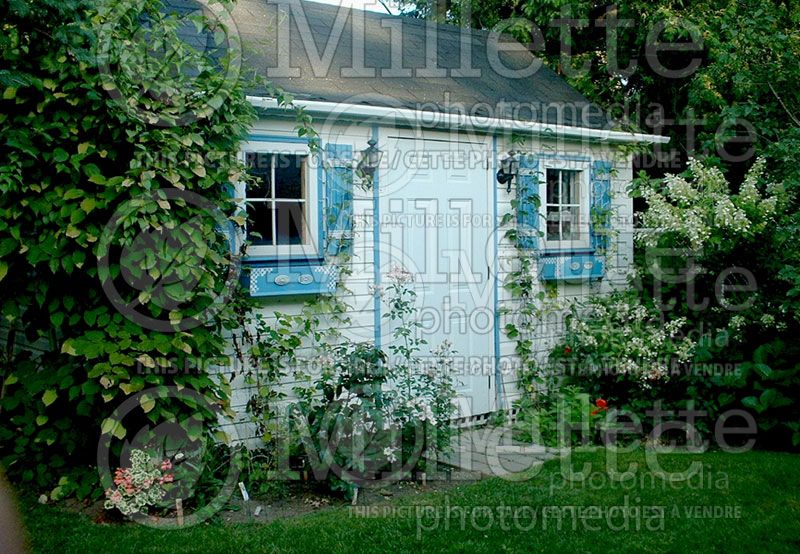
(561,251)
(283,259)
(289,278)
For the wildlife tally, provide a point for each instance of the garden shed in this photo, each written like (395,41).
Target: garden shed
(443,153)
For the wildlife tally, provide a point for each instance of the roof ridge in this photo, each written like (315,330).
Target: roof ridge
(413,21)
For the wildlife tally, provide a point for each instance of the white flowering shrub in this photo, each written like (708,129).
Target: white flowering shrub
(617,337)
(705,325)
(691,211)
(378,418)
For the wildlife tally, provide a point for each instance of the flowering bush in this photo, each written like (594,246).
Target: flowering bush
(422,391)
(724,259)
(140,485)
(377,417)
(696,212)
(618,337)
(615,350)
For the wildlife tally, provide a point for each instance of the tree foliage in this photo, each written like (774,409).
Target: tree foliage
(739,80)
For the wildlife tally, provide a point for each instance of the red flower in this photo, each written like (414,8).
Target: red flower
(601,404)
(567,350)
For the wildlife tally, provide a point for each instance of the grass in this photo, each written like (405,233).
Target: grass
(738,502)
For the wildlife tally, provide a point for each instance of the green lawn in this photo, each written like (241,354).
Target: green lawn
(740,502)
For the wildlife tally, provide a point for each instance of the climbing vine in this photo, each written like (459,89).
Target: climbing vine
(536,301)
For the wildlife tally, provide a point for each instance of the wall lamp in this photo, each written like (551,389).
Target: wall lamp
(370,160)
(509,166)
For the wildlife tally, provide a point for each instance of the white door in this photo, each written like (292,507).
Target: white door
(436,213)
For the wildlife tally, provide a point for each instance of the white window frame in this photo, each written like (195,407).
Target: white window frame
(309,249)
(583,168)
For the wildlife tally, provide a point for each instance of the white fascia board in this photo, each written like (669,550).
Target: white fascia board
(455,120)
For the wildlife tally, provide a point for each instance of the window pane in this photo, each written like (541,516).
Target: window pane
(259,220)
(552,186)
(570,187)
(290,222)
(289,176)
(553,219)
(570,224)
(258,164)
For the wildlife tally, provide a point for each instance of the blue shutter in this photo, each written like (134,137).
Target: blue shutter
(338,199)
(601,204)
(528,202)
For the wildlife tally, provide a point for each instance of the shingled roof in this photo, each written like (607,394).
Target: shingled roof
(543,96)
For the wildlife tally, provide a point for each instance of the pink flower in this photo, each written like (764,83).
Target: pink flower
(166,465)
(167,478)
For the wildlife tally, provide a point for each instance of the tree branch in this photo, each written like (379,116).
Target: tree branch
(791,115)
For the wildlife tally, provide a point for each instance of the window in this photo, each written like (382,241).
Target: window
(280,217)
(565,208)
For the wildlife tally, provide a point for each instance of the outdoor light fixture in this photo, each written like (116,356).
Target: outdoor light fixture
(370,160)
(508,170)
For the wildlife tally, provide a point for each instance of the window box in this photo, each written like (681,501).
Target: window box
(570,267)
(290,279)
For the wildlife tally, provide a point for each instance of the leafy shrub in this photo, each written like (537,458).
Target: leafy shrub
(89,129)
(369,418)
(688,334)
(617,338)
(560,417)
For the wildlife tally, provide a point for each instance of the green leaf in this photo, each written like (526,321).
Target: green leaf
(752,403)
(130,388)
(113,427)
(69,348)
(88,205)
(57,318)
(3,269)
(49,396)
(147,403)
